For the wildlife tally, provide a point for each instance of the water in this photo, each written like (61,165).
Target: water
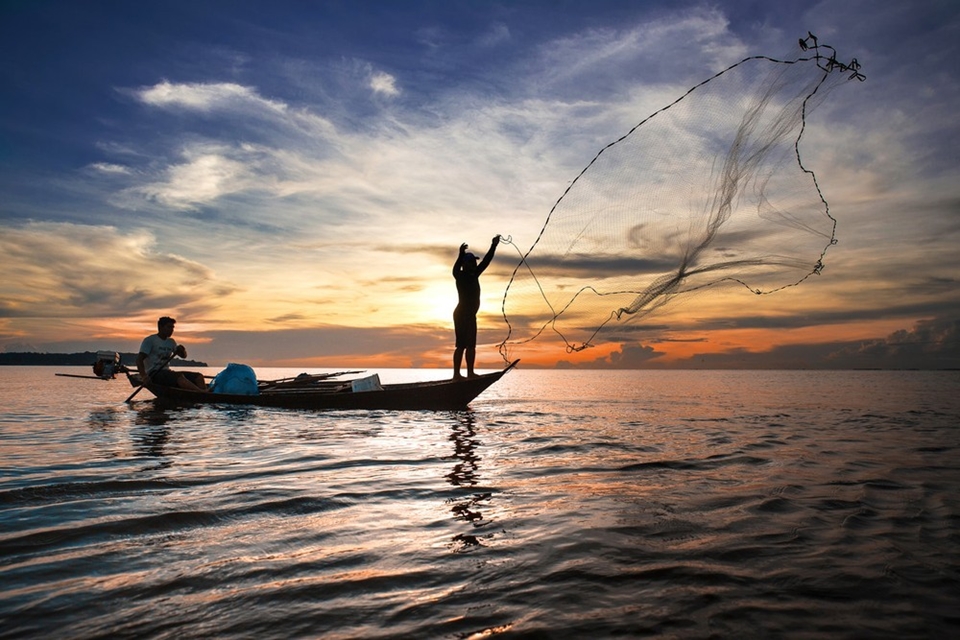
(563,504)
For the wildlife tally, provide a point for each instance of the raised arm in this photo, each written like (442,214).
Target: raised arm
(490,252)
(459,262)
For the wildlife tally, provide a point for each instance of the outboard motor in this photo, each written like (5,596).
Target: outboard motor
(107,364)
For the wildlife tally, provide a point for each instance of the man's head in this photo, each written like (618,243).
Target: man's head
(165,326)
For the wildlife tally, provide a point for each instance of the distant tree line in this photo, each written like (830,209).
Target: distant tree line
(86,358)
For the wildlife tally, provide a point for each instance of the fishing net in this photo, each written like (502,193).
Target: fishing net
(707,192)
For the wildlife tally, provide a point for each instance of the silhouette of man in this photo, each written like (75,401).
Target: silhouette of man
(153,361)
(466,271)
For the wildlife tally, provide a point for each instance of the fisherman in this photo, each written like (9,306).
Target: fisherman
(467,272)
(156,352)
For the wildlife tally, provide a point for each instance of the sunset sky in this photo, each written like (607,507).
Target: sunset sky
(291,180)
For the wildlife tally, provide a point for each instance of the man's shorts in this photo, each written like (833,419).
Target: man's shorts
(465,329)
(166,377)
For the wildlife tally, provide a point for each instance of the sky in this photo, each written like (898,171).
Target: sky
(291,180)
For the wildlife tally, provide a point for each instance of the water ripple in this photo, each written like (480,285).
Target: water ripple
(712,506)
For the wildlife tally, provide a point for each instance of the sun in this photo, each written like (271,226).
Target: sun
(434,304)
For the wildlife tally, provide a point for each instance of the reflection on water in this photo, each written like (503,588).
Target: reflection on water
(150,441)
(149,431)
(106,417)
(463,434)
(702,505)
(154,414)
(465,474)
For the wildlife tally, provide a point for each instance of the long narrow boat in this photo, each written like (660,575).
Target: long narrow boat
(322,392)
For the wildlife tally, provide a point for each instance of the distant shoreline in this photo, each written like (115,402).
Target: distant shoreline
(82,359)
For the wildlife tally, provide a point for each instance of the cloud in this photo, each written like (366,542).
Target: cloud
(391,166)
(70,270)
(497,35)
(678,47)
(110,168)
(206,174)
(630,356)
(243,106)
(384,83)
(397,156)
(207,97)
(930,344)
(260,147)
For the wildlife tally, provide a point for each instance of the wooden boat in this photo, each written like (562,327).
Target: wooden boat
(324,391)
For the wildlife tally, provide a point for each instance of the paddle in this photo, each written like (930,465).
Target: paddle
(155,369)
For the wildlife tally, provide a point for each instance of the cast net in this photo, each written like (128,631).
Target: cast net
(708,192)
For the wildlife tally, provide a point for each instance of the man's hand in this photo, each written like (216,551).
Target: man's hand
(181,351)
(463,248)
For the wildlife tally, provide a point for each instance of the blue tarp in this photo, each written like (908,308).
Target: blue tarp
(238,379)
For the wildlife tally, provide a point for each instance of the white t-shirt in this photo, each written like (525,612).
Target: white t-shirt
(157,351)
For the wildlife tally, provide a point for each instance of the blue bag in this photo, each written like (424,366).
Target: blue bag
(236,379)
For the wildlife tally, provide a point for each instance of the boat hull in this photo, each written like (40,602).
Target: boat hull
(439,395)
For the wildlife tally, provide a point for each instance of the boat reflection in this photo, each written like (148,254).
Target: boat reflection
(152,414)
(148,430)
(105,418)
(151,433)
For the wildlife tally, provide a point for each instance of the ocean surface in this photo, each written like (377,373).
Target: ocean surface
(563,504)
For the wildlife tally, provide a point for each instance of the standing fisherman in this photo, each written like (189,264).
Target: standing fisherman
(467,272)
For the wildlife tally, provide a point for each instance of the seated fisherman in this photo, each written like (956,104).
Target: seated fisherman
(156,352)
